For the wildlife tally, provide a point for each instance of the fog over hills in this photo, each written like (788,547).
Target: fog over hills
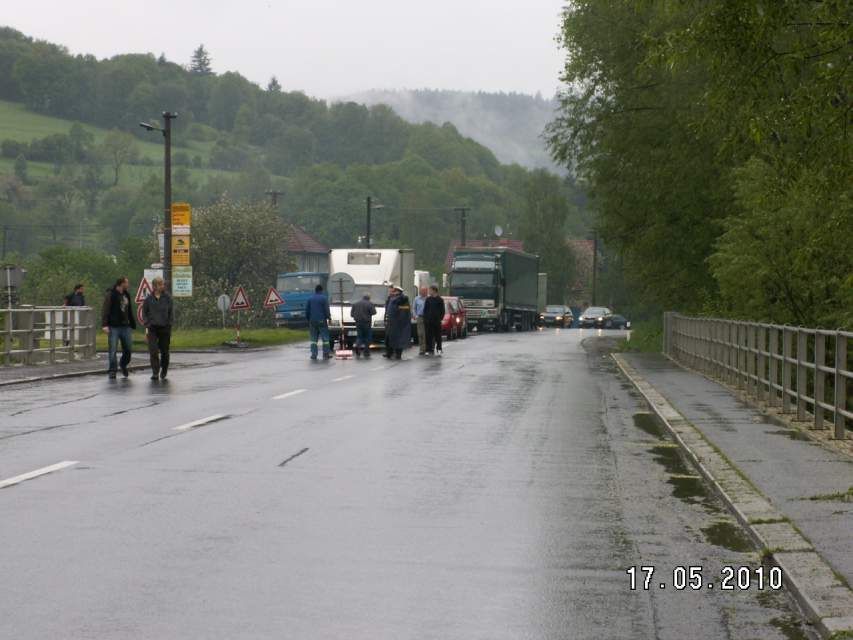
(510,124)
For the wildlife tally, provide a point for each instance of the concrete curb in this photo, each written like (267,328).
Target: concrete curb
(825,599)
(69,374)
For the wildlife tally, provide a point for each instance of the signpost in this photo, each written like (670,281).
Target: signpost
(240,302)
(143,291)
(342,288)
(180,251)
(181,219)
(223,303)
(273,299)
(182,282)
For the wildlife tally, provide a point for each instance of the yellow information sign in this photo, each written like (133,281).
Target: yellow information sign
(181,251)
(181,218)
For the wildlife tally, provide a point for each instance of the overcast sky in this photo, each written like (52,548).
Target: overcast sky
(326,48)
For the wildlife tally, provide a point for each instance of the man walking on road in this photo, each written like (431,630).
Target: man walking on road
(418,310)
(118,321)
(363,312)
(318,314)
(398,324)
(158,314)
(433,315)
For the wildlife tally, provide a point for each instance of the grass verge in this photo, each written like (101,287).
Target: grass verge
(646,337)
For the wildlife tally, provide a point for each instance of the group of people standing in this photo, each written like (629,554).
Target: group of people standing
(428,313)
(119,320)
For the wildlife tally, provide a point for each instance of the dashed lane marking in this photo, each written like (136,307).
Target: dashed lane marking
(200,423)
(342,378)
(38,472)
(289,394)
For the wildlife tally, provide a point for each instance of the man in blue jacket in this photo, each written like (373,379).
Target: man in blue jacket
(318,315)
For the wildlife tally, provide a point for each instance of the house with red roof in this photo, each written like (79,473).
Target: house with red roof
(308,253)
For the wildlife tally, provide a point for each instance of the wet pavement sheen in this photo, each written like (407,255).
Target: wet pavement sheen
(498,492)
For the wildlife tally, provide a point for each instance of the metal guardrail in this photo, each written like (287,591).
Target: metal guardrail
(793,369)
(45,335)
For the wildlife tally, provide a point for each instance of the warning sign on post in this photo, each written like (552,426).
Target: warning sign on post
(143,291)
(181,251)
(181,219)
(273,299)
(240,302)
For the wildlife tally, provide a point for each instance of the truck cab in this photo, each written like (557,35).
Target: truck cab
(295,288)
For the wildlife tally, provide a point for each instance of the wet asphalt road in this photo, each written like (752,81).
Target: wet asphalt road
(498,492)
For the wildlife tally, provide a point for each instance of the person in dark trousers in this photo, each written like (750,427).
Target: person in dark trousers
(363,312)
(318,315)
(398,324)
(118,321)
(433,315)
(77,298)
(158,315)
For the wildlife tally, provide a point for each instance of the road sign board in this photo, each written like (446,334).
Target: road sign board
(139,320)
(273,299)
(182,282)
(181,218)
(143,291)
(181,251)
(241,300)
(150,274)
(223,302)
(341,287)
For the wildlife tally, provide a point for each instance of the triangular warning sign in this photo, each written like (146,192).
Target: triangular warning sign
(143,291)
(273,299)
(240,300)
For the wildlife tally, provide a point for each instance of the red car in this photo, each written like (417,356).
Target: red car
(455,322)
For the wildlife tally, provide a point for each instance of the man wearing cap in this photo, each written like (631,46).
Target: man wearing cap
(398,323)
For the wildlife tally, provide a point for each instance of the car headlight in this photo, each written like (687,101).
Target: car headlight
(601,319)
(558,318)
(458,320)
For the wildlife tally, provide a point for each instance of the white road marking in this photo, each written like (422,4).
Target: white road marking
(289,394)
(38,472)
(200,423)
(342,378)
(378,368)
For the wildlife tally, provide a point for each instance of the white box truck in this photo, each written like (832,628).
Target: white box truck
(372,271)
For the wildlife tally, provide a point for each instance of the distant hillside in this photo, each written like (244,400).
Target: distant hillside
(510,124)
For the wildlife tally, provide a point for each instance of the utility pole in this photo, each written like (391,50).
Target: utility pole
(367,230)
(274,197)
(463,211)
(5,239)
(594,265)
(167,199)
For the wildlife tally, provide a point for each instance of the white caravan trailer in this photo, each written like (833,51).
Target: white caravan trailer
(372,271)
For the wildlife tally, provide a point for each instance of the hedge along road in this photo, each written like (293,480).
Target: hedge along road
(498,492)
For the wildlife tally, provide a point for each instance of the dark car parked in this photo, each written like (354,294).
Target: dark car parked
(556,315)
(596,317)
(619,322)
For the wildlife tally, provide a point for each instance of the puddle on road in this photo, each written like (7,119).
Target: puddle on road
(728,536)
(790,627)
(670,459)
(646,422)
(793,434)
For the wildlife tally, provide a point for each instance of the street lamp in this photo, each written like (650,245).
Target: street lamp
(370,208)
(166,130)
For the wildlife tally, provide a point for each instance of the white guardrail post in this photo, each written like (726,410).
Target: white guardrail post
(748,355)
(47,335)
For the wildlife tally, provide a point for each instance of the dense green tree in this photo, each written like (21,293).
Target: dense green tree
(118,149)
(21,169)
(200,62)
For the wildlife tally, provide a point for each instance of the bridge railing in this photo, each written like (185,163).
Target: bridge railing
(795,370)
(46,335)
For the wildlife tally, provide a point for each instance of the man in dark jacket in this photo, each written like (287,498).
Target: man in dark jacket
(118,321)
(158,314)
(77,298)
(398,324)
(363,312)
(318,315)
(433,315)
